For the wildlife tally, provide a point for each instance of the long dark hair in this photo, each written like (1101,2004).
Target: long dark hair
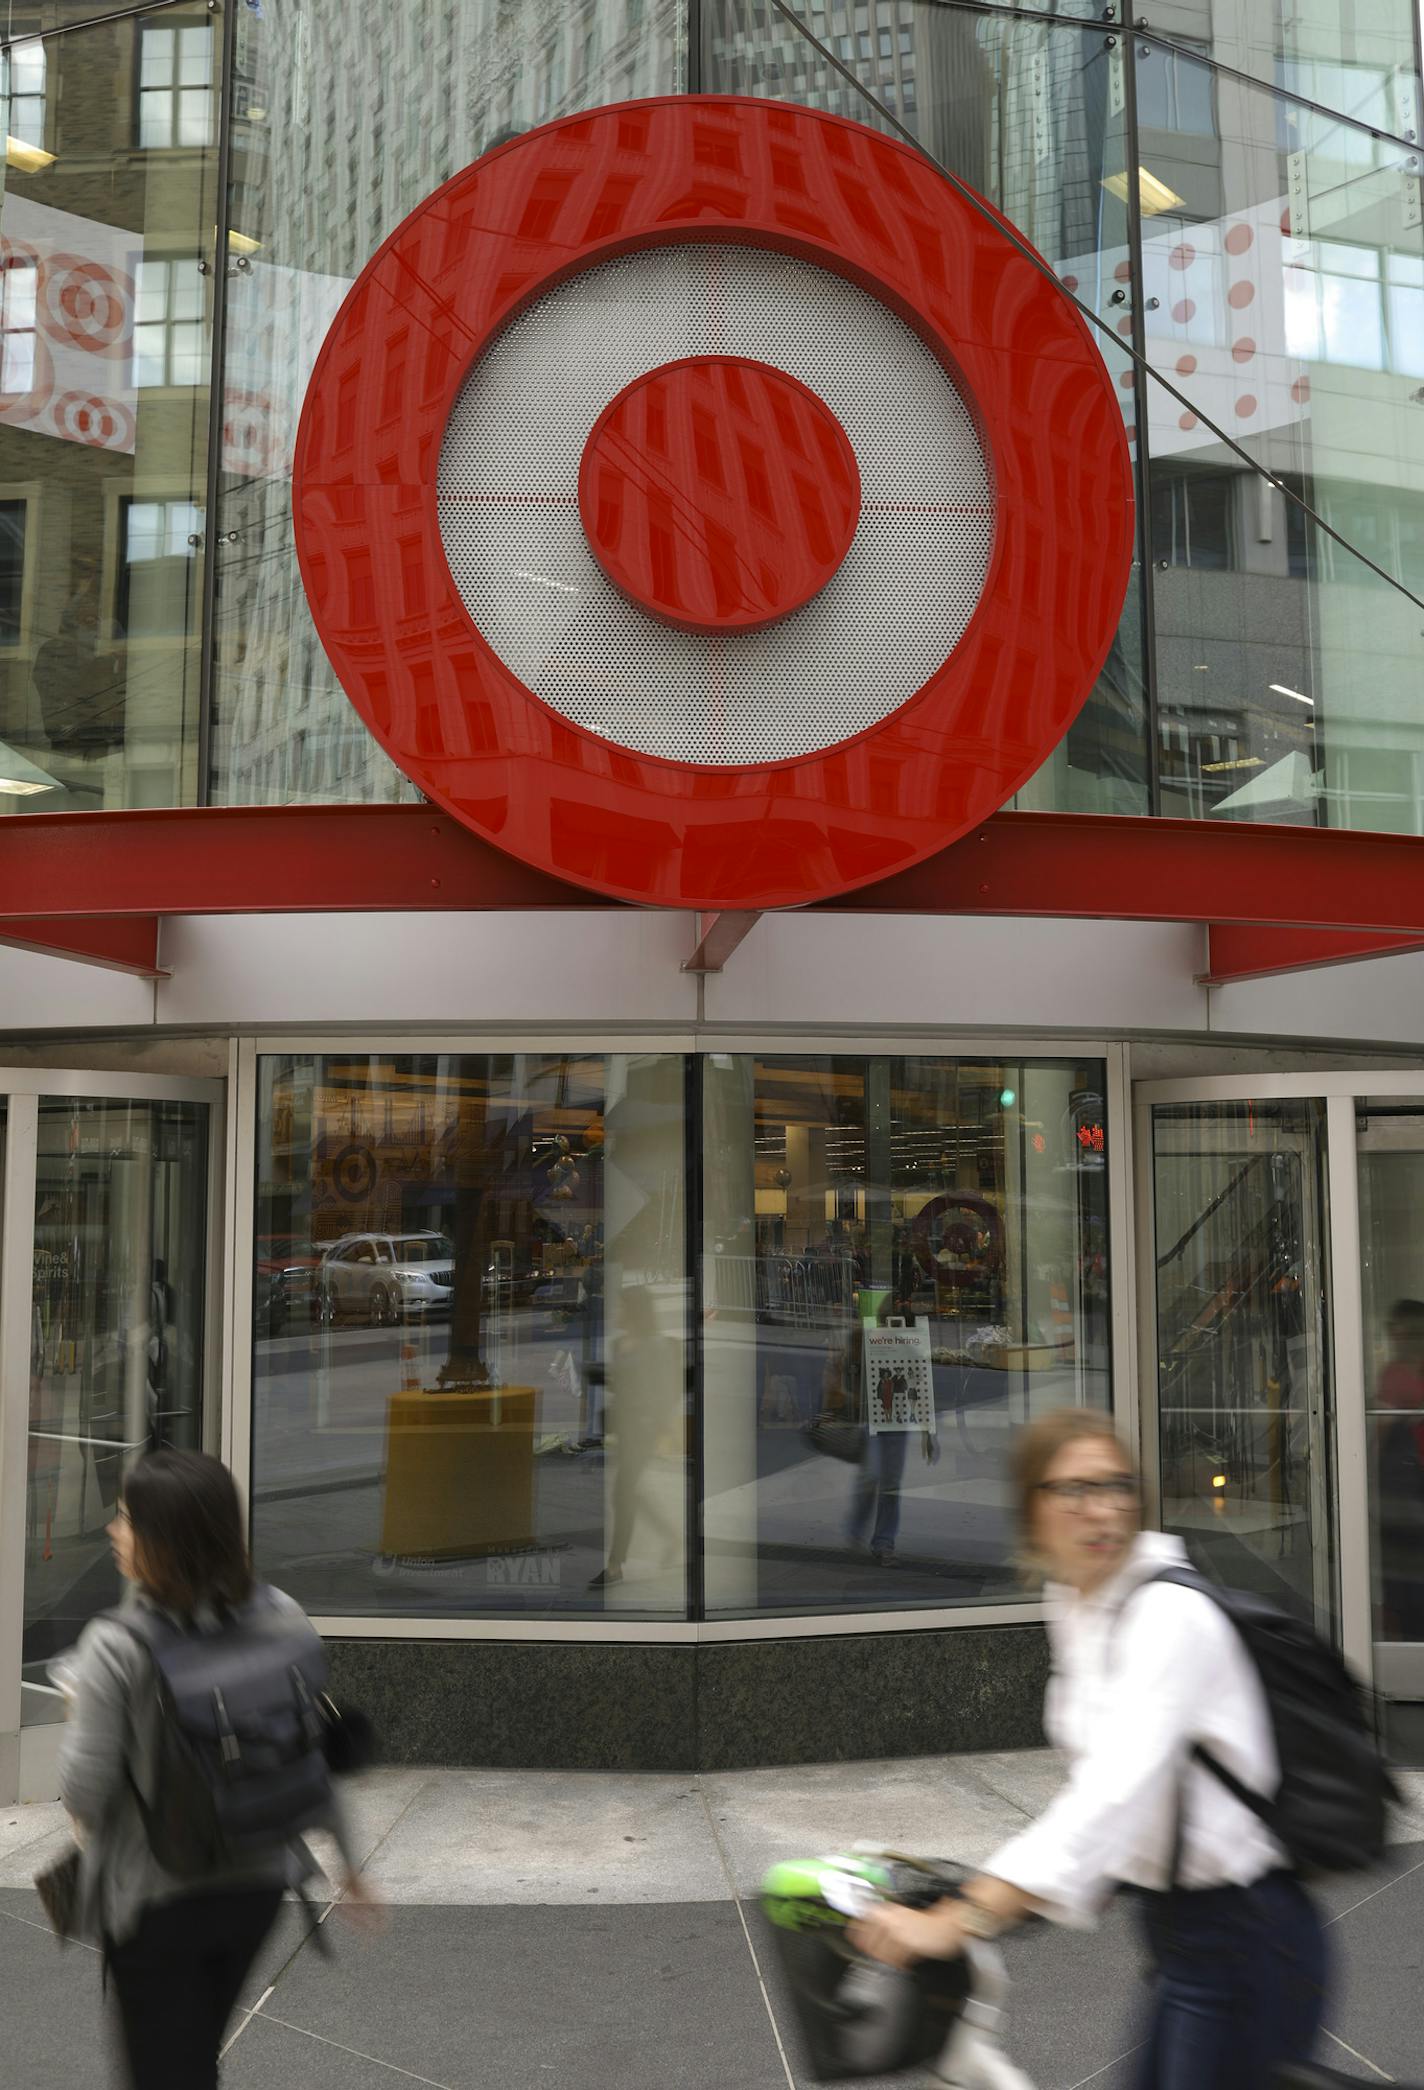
(191,1546)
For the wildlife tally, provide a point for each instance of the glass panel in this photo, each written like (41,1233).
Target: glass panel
(903,1260)
(1283,271)
(1034,117)
(345,118)
(1243,1387)
(1391,1175)
(116,1359)
(109,199)
(469,1391)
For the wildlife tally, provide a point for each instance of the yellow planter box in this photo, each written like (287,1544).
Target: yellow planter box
(459,1473)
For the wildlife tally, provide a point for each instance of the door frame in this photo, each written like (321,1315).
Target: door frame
(1339,1091)
(27,1754)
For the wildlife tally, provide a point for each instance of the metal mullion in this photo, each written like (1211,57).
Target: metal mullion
(696,1476)
(1352,1492)
(217,385)
(693,78)
(17,1260)
(1146,591)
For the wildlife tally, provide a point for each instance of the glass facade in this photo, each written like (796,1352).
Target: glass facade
(1244,1397)
(118,1305)
(484,1381)
(1232,193)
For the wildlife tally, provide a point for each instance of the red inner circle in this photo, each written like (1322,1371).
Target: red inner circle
(719,493)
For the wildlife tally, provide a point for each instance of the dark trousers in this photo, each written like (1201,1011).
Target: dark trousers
(177,1979)
(1240,1985)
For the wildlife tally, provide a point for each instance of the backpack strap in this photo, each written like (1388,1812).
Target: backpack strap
(1256,1803)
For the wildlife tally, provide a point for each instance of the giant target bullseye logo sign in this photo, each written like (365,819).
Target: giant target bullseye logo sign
(704,501)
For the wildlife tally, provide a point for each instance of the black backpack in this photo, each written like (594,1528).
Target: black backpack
(1330,1809)
(241,1768)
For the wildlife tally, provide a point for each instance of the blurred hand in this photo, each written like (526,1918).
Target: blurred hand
(900,1936)
(361,1907)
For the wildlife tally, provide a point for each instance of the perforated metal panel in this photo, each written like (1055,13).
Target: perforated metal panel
(509,509)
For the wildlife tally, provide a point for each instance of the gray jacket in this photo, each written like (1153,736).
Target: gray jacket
(111,1738)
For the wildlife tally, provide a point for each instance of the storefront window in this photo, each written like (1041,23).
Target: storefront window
(469,1382)
(344,119)
(1033,116)
(105,317)
(903,1260)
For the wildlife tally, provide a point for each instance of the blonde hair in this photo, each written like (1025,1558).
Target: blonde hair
(1034,1450)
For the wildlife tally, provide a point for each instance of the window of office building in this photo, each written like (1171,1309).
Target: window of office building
(26,119)
(175,105)
(169,337)
(13,517)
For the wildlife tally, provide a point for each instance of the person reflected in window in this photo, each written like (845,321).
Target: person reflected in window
(80,680)
(873,1521)
(1399,1398)
(644,1416)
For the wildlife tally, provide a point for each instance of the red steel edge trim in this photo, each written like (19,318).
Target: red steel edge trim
(122,942)
(400,859)
(1237,951)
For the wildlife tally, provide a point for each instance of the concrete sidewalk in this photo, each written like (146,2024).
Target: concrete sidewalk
(580,1929)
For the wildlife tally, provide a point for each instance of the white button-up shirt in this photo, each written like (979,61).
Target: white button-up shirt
(1129,1696)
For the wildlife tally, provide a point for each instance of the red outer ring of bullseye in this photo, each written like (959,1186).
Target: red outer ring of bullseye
(675,170)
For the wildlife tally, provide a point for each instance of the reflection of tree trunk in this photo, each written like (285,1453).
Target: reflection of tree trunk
(471,1163)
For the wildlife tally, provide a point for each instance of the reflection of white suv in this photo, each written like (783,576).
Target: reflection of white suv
(384,1277)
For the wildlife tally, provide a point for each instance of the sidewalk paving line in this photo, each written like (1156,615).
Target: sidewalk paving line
(1098,2072)
(746,1933)
(1354,2050)
(357,2053)
(1384,1889)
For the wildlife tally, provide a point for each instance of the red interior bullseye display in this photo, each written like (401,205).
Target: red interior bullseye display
(711,523)
(718,493)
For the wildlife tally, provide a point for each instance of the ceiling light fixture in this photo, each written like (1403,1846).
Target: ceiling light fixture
(1153,195)
(27,159)
(1282,691)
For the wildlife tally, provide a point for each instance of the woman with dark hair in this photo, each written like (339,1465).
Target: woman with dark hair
(1140,1675)
(177,1950)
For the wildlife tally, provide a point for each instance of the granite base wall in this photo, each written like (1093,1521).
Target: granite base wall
(727,1705)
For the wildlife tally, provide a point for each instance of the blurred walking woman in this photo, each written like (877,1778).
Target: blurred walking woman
(1137,1680)
(177,1951)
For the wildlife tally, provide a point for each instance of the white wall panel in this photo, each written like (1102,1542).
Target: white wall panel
(42,993)
(387,970)
(1372,1001)
(858,970)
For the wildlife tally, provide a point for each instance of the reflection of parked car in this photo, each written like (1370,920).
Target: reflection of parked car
(282,1280)
(385,1277)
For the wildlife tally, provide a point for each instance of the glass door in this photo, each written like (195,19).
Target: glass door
(1389,1136)
(1238,1307)
(104,1341)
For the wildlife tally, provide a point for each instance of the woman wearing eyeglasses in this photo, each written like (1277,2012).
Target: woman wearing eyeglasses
(1139,1676)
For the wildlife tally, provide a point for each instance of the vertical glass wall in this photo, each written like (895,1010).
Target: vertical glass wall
(106,282)
(344,119)
(469,1386)
(1244,1396)
(116,1344)
(1234,192)
(903,1260)
(1034,116)
(1390,1139)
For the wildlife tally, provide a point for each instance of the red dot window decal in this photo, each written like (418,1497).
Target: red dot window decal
(718,493)
(707,502)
